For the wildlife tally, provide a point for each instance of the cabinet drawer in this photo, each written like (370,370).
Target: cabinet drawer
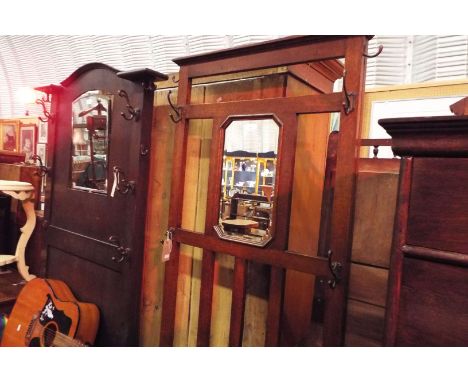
(438,209)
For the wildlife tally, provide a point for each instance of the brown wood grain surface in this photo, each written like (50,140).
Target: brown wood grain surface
(438,218)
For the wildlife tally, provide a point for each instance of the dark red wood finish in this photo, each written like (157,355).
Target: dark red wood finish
(427,303)
(238,302)
(292,50)
(343,198)
(79,224)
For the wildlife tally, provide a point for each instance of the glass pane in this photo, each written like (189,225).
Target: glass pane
(90,138)
(248,181)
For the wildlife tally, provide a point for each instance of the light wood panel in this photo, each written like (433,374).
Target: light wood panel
(156,225)
(309,173)
(368,284)
(374,215)
(365,324)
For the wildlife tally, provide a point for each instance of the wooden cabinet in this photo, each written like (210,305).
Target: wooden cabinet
(248,174)
(428,290)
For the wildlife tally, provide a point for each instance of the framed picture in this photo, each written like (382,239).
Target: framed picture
(42,136)
(27,140)
(9,140)
(41,149)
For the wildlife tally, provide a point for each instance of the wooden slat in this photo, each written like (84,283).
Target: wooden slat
(259,58)
(175,215)
(275,306)
(364,324)
(379,165)
(373,220)
(396,260)
(238,302)
(206,295)
(316,103)
(368,284)
(96,251)
(376,142)
(208,261)
(284,259)
(446,257)
(284,180)
(343,200)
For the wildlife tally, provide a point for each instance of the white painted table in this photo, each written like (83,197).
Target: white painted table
(24,192)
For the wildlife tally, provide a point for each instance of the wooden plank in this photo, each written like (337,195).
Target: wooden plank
(249,59)
(206,298)
(238,302)
(435,255)
(373,220)
(305,217)
(364,324)
(368,284)
(175,214)
(284,259)
(388,166)
(310,76)
(200,222)
(275,307)
(316,103)
(156,224)
(223,285)
(396,260)
(208,262)
(256,304)
(284,180)
(343,201)
(440,223)
(433,304)
(193,186)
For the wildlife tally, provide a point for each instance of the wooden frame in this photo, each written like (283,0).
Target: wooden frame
(9,130)
(42,132)
(292,50)
(41,150)
(28,139)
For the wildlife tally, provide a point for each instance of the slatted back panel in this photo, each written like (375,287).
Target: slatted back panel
(287,51)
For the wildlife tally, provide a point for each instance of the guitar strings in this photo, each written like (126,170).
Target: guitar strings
(63,338)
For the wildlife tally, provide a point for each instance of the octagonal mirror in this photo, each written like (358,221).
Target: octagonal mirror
(247,201)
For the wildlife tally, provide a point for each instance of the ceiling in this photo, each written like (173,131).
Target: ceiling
(36,60)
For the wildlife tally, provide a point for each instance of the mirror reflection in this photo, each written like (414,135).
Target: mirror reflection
(248,181)
(90,136)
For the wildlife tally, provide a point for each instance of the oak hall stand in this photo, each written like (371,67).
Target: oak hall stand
(297,50)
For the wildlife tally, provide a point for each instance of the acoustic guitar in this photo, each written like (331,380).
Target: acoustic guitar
(47,314)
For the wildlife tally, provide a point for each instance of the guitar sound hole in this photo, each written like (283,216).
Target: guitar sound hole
(49,334)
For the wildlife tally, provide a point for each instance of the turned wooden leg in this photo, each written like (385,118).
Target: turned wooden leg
(26,232)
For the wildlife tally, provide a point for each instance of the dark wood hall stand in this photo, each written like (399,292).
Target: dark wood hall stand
(428,290)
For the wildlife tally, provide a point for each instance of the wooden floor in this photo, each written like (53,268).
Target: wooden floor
(11,284)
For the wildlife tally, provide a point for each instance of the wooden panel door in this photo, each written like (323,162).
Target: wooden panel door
(95,232)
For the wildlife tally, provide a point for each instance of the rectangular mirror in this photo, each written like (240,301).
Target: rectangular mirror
(90,139)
